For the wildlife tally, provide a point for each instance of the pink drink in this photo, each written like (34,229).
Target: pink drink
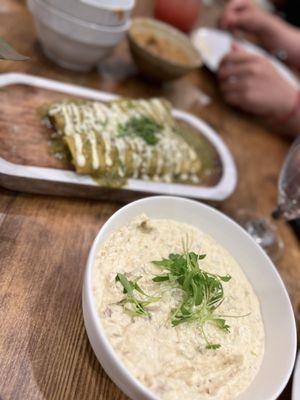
(183,14)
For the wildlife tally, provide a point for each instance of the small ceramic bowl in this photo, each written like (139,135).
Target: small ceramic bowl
(71,42)
(159,67)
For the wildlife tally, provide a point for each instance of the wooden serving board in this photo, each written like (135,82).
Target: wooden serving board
(26,162)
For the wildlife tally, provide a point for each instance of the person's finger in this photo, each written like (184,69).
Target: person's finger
(241,84)
(237,19)
(237,57)
(235,46)
(241,20)
(227,20)
(238,71)
(235,6)
(225,17)
(231,12)
(233,85)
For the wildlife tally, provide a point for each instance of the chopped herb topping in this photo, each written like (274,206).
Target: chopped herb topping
(142,126)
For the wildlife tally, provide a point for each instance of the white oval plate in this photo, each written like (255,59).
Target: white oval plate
(296,381)
(12,175)
(280,343)
(214,44)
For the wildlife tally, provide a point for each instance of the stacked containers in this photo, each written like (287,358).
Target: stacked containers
(77,34)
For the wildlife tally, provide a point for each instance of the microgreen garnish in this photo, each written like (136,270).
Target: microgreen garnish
(202,292)
(133,305)
(142,126)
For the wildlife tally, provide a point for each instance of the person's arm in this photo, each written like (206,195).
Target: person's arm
(253,84)
(273,33)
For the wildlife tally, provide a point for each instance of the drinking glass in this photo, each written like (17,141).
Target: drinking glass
(289,185)
(262,230)
(184,14)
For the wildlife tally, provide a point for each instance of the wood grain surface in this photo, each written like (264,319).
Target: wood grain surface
(44,241)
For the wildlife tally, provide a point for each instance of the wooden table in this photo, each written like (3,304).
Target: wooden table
(44,241)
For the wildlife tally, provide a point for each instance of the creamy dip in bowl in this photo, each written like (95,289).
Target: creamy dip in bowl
(151,357)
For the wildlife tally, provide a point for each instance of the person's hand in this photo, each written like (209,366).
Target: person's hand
(272,32)
(244,15)
(252,83)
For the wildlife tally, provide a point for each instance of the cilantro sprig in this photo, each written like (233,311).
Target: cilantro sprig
(202,292)
(135,300)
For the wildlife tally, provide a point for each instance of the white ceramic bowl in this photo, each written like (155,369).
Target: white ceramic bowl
(70,42)
(103,12)
(279,322)
(296,381)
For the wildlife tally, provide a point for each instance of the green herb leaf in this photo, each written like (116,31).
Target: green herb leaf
(127,285)
(225,278)
(141,126)
(221,323)
(161,278)
(213,346)
(135,306)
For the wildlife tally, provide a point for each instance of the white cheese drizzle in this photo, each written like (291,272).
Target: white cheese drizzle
(92,119)
(80,158)
(93,143)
